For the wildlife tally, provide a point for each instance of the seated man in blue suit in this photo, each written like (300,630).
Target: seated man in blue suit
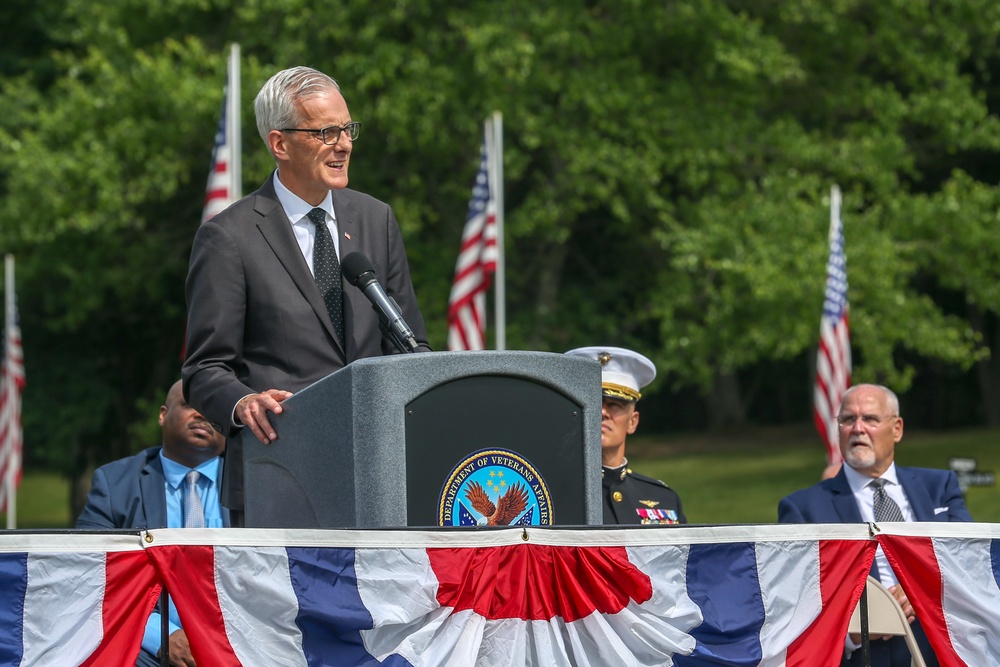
(153,489)
(870,487)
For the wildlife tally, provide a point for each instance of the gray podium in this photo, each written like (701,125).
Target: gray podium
(378,444)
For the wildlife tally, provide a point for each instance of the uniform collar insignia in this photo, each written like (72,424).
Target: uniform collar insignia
(623,470)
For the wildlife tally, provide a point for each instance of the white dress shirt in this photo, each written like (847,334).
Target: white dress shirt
(864,495)
(297,210)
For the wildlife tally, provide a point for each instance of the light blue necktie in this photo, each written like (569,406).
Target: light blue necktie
(194,513)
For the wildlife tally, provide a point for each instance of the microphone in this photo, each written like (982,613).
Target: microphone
(359,272)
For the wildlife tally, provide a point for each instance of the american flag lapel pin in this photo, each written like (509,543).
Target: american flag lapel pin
(347,235)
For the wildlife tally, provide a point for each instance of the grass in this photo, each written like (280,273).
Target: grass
(42,502)
(741,478)
(721,479)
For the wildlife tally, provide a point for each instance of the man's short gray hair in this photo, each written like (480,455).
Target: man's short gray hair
(892,401)
(274,106)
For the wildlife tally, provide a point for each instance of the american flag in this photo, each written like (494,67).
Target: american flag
(224,175)
(219,193)
(11,386)
(477,260)
(833,358)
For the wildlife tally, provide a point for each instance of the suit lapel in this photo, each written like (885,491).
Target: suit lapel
(347,227)
(843,499)
(276,229)
(916,494)
(154,500)
(349,233)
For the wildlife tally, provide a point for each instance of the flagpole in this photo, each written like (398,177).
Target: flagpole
(234,131)
(13,460)
(496,186)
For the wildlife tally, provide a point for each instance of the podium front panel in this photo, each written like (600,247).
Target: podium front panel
(371,445)
(536,422)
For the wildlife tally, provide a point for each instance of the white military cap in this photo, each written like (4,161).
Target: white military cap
(623,372)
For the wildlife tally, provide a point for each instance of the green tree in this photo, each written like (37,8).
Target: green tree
(667,169)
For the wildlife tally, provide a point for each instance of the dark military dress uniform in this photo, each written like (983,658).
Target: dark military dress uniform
(631,498)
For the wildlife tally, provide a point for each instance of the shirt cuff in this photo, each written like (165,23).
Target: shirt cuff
(151,637)
(850,647)
(236,423)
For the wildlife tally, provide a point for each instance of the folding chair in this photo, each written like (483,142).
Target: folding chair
(886,617)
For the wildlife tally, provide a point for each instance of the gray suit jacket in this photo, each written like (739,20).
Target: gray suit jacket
(256,320)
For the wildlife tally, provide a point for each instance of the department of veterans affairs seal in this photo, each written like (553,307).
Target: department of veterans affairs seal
(494,487)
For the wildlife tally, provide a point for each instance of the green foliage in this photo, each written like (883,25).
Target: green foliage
(667,175)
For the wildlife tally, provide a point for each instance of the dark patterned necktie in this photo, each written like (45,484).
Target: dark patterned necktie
(326,271)
(885,507)
(194,512)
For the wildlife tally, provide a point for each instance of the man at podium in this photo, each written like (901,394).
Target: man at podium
(628,497)
(268,310)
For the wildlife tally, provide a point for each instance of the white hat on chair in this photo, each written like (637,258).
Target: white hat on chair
(623,372)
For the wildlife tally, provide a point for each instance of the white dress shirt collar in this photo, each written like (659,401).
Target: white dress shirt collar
(859,481)
(295,207)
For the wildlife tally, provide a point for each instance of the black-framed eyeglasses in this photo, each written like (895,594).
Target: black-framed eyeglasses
(331,134)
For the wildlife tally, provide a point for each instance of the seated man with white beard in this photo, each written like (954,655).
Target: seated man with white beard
(871,488)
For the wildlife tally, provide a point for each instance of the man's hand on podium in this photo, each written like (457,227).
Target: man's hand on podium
(252,411)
